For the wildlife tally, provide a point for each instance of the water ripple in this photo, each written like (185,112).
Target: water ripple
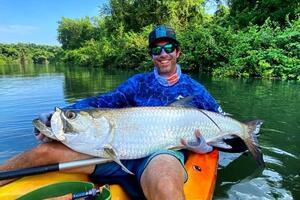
(260,188)
(272,160)
(280,151)
(272,130)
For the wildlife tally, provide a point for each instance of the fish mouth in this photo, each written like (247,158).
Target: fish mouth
(45,130)
(56,130)
(38,124)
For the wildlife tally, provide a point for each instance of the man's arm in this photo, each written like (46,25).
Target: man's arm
(122,96)
(204,100)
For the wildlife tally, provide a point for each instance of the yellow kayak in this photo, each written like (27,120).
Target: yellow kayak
(201,169)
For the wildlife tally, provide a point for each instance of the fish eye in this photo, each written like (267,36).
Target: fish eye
(70,114)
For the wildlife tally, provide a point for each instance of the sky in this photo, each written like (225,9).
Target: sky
(36,21)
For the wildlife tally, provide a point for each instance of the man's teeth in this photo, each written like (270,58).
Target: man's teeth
(164,61)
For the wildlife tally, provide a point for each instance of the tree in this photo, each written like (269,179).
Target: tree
(73,33)
(256,12)
(133,15)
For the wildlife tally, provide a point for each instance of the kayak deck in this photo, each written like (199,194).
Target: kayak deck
(201,169)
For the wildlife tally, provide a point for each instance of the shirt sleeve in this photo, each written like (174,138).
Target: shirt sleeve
(121,97)
(204,100)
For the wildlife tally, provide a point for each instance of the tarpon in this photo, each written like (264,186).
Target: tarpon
(136,132)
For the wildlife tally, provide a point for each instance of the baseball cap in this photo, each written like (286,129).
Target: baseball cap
(162,32)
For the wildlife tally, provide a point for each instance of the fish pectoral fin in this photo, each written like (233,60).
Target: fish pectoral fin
(111,152)
(198,145)
(220,144)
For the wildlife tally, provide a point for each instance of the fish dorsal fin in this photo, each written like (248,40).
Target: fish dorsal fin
(184,102)
(111,152)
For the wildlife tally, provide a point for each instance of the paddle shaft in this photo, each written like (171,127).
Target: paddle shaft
(50,168)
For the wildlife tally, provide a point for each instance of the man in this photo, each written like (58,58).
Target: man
(162,174)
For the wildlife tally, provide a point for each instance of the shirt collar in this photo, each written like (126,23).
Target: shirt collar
(168,81)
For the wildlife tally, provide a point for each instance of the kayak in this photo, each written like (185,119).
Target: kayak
(201,169)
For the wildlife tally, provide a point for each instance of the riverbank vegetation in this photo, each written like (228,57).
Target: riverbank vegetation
(29,53)
(241,39)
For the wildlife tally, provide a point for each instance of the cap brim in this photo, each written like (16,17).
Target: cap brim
(168,39)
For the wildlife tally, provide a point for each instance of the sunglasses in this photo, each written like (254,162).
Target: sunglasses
(168,48)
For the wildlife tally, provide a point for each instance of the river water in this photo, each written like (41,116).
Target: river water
(27,91)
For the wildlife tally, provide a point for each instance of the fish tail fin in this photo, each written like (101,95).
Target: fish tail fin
(252,141)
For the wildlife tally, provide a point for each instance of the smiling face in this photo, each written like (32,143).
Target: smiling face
(165,62)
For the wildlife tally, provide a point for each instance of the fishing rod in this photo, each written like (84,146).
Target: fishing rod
(50,168)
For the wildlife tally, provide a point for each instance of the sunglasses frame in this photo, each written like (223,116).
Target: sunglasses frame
(162,47)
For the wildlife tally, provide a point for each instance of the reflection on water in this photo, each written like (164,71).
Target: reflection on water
(26,91)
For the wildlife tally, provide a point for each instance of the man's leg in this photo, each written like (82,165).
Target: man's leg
(163,178)
(46,153)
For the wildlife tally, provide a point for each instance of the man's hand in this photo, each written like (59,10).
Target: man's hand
(45,118)
(200,146)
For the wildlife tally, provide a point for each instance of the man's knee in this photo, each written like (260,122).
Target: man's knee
(164,166)
(164,176)
(170,187)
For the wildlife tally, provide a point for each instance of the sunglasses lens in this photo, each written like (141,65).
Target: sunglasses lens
(169,48)
(156,50)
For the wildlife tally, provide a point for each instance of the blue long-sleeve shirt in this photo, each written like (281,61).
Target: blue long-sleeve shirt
(145,90)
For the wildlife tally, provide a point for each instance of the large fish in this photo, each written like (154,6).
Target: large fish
(131,133)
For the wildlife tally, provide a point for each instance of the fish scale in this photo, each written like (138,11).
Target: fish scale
(155,129)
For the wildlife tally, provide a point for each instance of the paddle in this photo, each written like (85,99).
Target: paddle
(50,168)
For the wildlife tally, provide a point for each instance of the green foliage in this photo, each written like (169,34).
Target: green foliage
(246,39)
(2,59)
(266,51)
(203,47)
(84,56)
(134,15)
(8,52)
(73,33)
(131,50)
(232,42)
(28,53)
(116,50)
(244,13)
